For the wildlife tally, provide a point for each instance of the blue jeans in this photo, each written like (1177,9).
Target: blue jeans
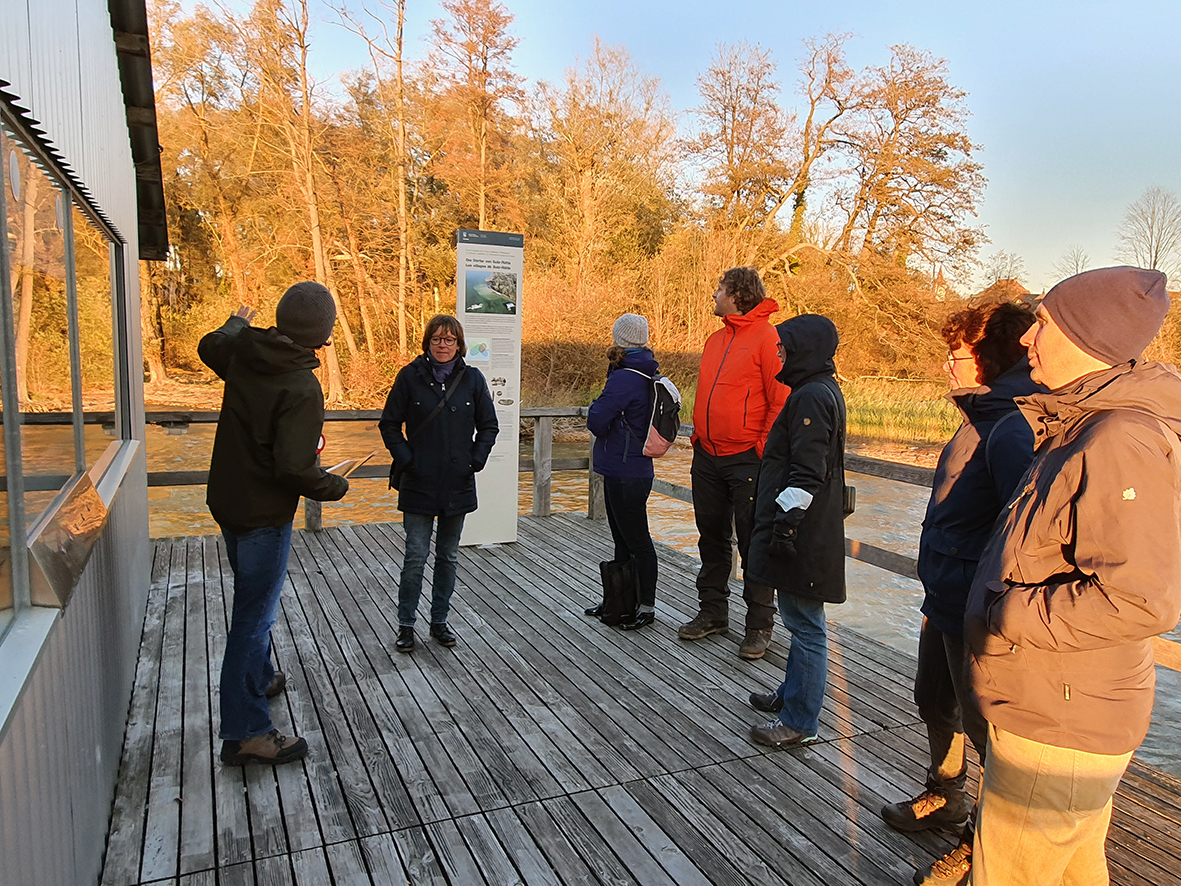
(259,560)
(626,499)
(418,546)
(802,690)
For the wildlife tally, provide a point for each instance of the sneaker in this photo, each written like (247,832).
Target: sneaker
(779,735)
(405,641)
(278,684)
(767,702)
(443,635)
(954,869)
(639,620)
(754,644)
(930,809)
(272,748)
(703,625)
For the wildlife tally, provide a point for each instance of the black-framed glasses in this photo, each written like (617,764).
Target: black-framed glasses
(952,358)
(439,340)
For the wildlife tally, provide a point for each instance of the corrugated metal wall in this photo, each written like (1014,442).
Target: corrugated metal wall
(60,754)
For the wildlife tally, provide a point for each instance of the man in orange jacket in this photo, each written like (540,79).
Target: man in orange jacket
(738,399)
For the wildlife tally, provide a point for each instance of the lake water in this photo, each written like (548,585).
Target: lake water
(882,605)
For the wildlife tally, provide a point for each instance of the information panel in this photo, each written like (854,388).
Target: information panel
(488,286)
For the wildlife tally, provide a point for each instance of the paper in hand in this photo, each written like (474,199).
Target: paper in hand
(346,467)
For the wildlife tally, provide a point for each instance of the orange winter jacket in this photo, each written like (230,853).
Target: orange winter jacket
(738,398)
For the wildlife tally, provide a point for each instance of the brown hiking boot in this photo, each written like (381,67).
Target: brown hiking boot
(930,809)
(754,644)
(954,869)
(272,748)
(702,625)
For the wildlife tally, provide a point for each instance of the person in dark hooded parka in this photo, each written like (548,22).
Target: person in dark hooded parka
(798,544)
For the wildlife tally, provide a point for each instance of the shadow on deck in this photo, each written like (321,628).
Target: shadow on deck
(544,748)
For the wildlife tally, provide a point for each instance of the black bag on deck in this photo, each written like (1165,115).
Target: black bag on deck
(620,590)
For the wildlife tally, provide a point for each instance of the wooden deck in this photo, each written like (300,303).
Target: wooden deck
(544,748)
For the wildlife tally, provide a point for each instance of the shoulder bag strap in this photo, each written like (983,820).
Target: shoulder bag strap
(435,412)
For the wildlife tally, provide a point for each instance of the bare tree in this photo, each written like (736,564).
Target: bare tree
(1004,266)
(914,183)
(1073,261)
(1150,234)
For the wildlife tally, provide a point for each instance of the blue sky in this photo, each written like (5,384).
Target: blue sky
(1075,104)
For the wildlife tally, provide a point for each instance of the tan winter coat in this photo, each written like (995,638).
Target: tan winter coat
(1084,567)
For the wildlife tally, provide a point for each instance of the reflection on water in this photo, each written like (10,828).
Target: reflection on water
(882,605)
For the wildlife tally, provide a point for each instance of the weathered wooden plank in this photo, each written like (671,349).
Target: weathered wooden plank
(454,856)
(318,719)
(549,836)
(418,856)
(162,827)
(229,784)
(310,867)
(361,694)
(346,864)
(196,811)
(125,839)
(273,871)
(582,706)
(650,835)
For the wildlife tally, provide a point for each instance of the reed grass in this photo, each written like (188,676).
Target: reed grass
(900,411)
(879,409)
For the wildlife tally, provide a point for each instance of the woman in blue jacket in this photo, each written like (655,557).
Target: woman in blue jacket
(619,420)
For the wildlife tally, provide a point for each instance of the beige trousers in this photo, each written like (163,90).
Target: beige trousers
(1044,813)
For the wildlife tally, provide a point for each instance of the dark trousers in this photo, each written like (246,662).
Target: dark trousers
(627,515)
(724,489)
(941,693)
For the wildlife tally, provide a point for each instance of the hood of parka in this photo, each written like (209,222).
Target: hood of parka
(993,401)
(1151,388)
(760,312)
(810,342)
(270,352)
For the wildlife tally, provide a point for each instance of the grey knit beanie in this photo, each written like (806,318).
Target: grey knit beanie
(1111,313)
(630,331)
(306,314)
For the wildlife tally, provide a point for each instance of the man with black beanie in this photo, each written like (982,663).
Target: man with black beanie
(264,459)
(1083,570)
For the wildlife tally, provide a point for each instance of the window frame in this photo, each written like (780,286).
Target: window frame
(72,198)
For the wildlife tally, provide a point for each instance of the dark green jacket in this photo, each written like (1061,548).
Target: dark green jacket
(272,413)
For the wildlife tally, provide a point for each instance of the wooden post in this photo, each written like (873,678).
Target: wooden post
(543,453)
(596,507)
(313,511)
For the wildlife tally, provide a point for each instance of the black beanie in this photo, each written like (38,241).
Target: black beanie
(1111,313)
(306,314)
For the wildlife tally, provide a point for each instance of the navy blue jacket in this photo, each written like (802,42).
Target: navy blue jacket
(978,471)
(442,461)
(619,417)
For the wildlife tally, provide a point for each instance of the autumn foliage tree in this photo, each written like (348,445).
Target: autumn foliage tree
(848,188)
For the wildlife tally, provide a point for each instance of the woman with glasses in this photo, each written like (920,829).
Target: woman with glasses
(978,471)
(439,425)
